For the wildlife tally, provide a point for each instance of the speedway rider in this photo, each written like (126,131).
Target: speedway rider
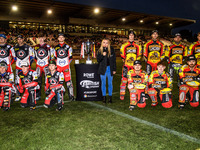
(63,55)
(54,87)
(130,52)
(189,79)
(137,80)
(6,86)
(21,53)
(27,80)
(160,85)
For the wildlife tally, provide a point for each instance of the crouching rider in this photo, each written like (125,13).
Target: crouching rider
(160,85)
(189,79)
(27,83)
(7,88)
(54,87)
(137,80)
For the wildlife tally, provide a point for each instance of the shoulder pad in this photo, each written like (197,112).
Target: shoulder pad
(58,73)
(8,46)
(144,72)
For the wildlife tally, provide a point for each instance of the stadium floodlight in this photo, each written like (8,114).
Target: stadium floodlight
(141,21)
(49,11)
(157,22)
(14,8)
(96,10)
(123,19)
(170,24)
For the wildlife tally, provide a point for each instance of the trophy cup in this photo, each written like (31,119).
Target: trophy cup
(88,49)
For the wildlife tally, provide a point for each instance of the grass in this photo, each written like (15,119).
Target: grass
(83,126)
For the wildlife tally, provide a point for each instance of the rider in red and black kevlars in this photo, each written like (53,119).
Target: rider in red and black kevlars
(153,52)
(54,87)
(42,57)
(63,55)
(7,88)
(5,52)
(27,83)
(21,53)
(130,52)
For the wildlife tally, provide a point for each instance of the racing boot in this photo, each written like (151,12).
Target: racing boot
(104,99)
(110,99)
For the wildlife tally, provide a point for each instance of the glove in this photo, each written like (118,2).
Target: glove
(47,92)
(130,86)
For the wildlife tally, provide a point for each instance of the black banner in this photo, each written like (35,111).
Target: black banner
(88,82)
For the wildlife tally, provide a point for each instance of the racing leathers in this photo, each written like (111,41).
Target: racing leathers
(160,85)
(6,89)
(191,92)
(21,54)
(129,52)
(42,57)
(29,82)
(137,84)
(54,89)
(194,49)
(63,56)
(7,56)
(153,52)
(176,53)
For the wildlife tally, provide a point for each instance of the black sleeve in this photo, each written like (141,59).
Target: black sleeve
(114,59)
(100,57)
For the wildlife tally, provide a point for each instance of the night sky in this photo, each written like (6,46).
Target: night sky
(188,9)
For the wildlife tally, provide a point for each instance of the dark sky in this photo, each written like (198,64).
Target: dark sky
(189,9)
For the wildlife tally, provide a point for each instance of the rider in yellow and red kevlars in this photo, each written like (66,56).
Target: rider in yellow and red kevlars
(130,52)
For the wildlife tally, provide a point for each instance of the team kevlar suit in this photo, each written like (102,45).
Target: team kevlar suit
(54,89)
(29,82)
(158,83)
(6,55)
(21,54)
(63,56)
(129,52)
(6,89)
(137,96)
(153,53)
(42,57)
(192,92)
(194,49)
(175,54)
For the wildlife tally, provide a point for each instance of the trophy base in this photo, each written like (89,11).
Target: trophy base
(88,61)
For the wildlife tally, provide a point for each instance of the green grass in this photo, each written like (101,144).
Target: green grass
(83,126)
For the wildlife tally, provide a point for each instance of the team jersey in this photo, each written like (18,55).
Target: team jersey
(7,77)
(130,52)
(62,54)
(186,74)
(23,79)
(159,81)
(22,53)
(194,49)
(42,54)
(56,78)
(176,52)
(6,54)
(142,77)
(154,51)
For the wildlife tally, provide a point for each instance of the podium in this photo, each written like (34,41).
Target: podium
(88,82)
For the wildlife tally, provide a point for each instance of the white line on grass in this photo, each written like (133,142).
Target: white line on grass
(181,135)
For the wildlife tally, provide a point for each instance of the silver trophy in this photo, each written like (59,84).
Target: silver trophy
(88,49)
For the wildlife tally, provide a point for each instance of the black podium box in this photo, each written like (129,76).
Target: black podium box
(88,82)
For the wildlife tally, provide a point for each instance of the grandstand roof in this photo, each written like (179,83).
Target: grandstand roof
(68,13)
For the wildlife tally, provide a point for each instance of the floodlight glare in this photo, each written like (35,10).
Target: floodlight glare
(123,19)
(141,21)
(49,11)
(157,22)
(14,8)
(96,10)
(170,24)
